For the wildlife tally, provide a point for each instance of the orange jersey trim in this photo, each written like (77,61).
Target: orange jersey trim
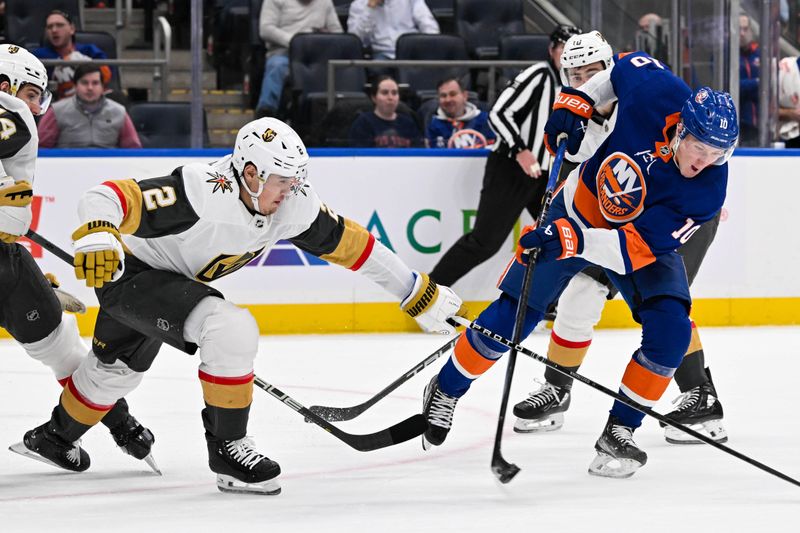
(643,382)
(469,358)
(587,206)
(637,249)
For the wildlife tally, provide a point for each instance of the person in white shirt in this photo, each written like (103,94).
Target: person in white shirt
(380,22)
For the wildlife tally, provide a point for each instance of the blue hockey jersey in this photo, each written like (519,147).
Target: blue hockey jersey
(630,195)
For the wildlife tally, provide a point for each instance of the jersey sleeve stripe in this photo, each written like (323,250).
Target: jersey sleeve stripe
(365,254)
(351,247)
(130,197)
(636,251)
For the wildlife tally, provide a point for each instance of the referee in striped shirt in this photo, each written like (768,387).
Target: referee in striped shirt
(513,179)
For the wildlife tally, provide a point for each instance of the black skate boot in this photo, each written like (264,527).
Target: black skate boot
(240,468)
(437,408)
(543,410)
(135,440)
(699,409)
(617,455)
(44,445)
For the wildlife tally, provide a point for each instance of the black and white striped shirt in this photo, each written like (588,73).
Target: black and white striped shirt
(521,111)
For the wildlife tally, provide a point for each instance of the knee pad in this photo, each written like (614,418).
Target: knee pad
(666,330)
(103,384)
(226,334)
(579,308)
(62,350)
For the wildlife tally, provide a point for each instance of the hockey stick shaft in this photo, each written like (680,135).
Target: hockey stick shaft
(339,414)
(504,470)
(622,399)
(49,246)
(405,430)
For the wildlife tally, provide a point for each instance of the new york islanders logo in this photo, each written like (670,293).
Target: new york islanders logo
(620,188)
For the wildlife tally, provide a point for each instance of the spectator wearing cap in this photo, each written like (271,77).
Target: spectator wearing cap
(513,177)
(87,119)
(60,38)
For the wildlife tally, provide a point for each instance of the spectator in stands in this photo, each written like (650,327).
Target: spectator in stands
(456,114)
(379,23)
(280,20)
(87,119)
(749,65)
(384,127)
(60,38)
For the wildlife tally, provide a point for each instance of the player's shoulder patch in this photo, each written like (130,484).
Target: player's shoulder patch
(219,182)
(621,188)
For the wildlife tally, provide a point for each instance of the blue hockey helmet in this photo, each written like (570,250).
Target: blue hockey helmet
(710,116)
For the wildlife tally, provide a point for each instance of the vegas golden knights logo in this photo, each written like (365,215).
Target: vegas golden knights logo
(268,135)
(224,264)
(13,49)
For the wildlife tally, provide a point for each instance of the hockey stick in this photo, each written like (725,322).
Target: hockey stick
(409,428)
(502,469)
(49,246)
(458,321)
(339,414)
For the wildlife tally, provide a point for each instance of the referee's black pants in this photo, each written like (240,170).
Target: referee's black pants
(506,191)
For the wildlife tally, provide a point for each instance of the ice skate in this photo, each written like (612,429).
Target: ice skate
(44,445)
(241,469)
(617,455)
(543,410)
(135,440)
(700,410)
(437,407)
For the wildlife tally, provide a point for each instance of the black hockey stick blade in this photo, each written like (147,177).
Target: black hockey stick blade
(503,470)
(622,399)
(407,429)
(340,414)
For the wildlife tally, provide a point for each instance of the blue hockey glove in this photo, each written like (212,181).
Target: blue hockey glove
(571,112)
(561,239)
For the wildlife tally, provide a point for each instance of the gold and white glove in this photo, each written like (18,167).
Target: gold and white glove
(99,257)
(431,305)
(69,303)
(15,209)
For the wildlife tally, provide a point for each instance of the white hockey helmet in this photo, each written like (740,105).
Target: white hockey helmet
(274,148)
(22,67)
(585,49)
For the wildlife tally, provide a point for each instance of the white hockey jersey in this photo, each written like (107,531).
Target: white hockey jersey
(597,130)
(19,139)
(193,222)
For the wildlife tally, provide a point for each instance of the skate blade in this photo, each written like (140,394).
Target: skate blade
(426,444)
(23,450)
(712,429)
(151,462)
(232,485)
(539,425)
(605,465)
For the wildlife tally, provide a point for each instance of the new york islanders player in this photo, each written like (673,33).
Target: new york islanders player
(200,223)
(29,308)
(660,174)
(581,303)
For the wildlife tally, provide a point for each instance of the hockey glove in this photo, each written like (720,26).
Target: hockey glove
(15,209)
(431,305)
(68,302)
(561,239)
(571,112)
(99,257)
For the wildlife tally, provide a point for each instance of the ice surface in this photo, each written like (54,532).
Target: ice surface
(329,487)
